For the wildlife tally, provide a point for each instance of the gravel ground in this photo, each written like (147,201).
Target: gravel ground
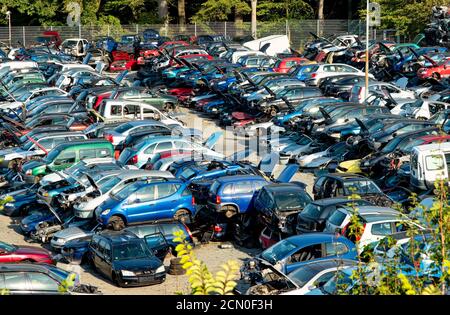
(210,253)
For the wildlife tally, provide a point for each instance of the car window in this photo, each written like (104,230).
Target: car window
(15,281)
(102,153)
(146,194)
(164,146)
(337,218)
(228,189)
(42,282)
(101,246)
(264,198)
(169,229)
(324,278)
(243,187)
(335,248)
(434,162)
(66,157)
(259,184)
(87,154)
(150,149)
(166,189)
(116,110)
(382,228)
(47,143)
(306,253)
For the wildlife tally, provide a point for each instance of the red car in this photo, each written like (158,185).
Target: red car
(283,65)
(13,254)
(437,70)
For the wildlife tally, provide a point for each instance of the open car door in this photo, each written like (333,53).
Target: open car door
(158,244)
(212,139)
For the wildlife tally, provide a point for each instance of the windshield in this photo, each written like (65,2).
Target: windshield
(302,275)
(312,211)
(278,251)
(134,249)
(69,43)
(361,187)
(290,200)
(341,280)
(125,191)
(109,184)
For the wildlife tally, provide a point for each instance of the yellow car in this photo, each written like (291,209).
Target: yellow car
(350,166)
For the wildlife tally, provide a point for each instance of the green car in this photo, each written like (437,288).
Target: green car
(65,155)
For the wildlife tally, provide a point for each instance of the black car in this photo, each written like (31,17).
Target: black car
(279,104)
(38,279)
(313,217)
(128,260)
(278,205)
(345,184)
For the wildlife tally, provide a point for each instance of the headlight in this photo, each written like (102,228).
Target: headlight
(59,240)
(45,194)
(367,163)
(9,204)
(105,212)
(127,273)
(160,269)
(25,225)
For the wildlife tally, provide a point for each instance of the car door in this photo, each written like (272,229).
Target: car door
(158,244)
(42,283)
(100,261)
(242,195)
(65,159)
(16,283)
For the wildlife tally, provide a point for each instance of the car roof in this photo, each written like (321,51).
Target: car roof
(56,133)
(118,236)
(368,210)
(25,267)
(62,146)
(313,238)
(277,187)
(236,178)
(127,174)
(144,122)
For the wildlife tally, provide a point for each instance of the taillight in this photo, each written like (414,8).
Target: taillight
(188,231)
(358,238)
(28,172)
(133,160)
(109,137)
(193,200)
(218,201)
(217,228)
(313,75)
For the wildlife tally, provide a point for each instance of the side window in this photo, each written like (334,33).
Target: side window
(107,250)
(94,242)
(228,189)
(257,185)
(46,143)
(382,228)
(116,110)
(101,246)
(336,248)
(65,157)
(150,149)
(244,187)
(319,183)
(87,154)
(324,278)
(101,153)
(146,194)
(166,189)
(307,253)
(164,146)
(60,140)
(42,282)
(16,281)
(169,229)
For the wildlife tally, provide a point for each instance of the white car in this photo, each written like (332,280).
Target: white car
(379,222)
(357,94)
(321,71)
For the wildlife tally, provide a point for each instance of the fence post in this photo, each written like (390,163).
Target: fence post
(137,29)
(318,27)
(79,30)
(225,29)
(51,27)
(195,29)
(108,31)
(23,35)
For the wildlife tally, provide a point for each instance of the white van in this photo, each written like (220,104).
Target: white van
(429,162)
(279,44)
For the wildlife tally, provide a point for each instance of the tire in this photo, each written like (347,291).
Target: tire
(116,223)
(169,107)
(230,211)
(182,215)
(115,280)
(273,111)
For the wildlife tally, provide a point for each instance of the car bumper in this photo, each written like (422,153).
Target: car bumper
(10,211)
(84,214)
(142,280)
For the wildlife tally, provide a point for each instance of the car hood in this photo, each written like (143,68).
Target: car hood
(33,218)
(137,264)
(303,160)
(295,148)
(72,232)
(318,161)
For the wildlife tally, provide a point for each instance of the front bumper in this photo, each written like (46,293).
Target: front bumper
(84,214)
(142,280)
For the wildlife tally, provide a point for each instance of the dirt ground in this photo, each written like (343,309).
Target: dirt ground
(210,253)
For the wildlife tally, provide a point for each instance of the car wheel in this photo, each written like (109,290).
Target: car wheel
(115,279)
(182,215)
(116,223)
(273,111)
(230,211)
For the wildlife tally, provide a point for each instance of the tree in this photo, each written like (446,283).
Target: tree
(220,10)
(320,10)
(254,5)
(181,12)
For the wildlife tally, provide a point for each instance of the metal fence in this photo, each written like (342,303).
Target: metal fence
(297,30)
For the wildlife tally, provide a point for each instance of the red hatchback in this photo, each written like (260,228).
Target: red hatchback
(283,65)
(13,254)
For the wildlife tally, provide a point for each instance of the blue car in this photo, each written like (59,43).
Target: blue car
(146,201)
(23,201)
(298,250)
(234,194)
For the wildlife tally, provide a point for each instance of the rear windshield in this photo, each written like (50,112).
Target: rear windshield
(312,211)
(122,128)
(278,251)
(337,218)
(291,200)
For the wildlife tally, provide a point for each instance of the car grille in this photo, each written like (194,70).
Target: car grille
(145,273)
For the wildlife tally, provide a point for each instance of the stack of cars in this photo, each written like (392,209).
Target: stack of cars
(105,168)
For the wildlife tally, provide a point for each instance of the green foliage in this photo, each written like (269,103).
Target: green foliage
(408,17)
(4,292)
(5,201)
(201,280)
(269,10)
(67,284)
(220,10)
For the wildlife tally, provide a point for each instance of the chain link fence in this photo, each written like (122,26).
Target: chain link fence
(298,31)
